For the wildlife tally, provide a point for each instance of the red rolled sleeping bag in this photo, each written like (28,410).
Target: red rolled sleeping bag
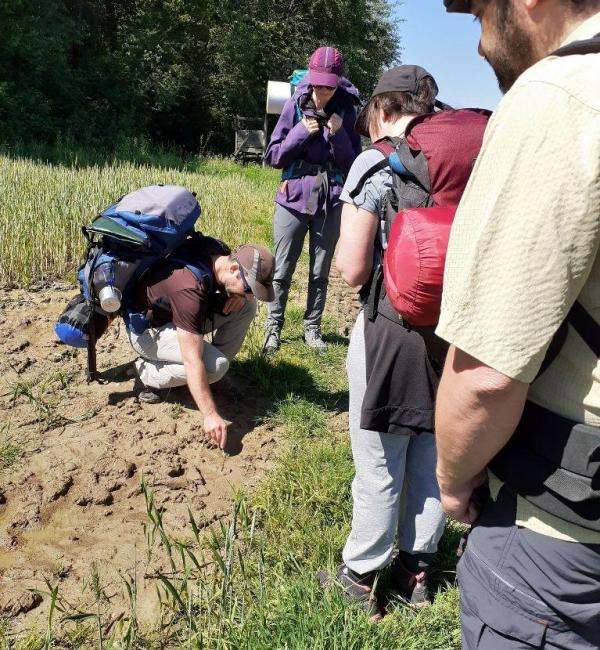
(413,264)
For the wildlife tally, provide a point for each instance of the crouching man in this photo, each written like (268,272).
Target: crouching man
(178,303)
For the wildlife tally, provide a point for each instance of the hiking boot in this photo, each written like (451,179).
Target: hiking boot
(410,585)
(313,338)
(145,394)
(356,589)
(272,340)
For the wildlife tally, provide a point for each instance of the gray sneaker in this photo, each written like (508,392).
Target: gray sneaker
(272,340)
(313,338)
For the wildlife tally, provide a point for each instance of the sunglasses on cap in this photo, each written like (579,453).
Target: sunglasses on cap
(247,288)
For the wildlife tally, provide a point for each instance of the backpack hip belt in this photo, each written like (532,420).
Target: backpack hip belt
(554,463)
(300,168)
(323,175)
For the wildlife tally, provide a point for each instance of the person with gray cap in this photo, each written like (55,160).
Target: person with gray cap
(518,409)
(181,309)
(395,494)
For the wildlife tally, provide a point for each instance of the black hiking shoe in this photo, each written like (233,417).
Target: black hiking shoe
(409,585)
(272,340)
(356,589)
(145,394)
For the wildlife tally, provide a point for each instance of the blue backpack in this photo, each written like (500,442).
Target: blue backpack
(126,240)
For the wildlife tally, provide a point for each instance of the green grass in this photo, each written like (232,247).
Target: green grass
(250,583)
(10,449)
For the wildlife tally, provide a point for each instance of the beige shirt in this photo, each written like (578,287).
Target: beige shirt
(524,244)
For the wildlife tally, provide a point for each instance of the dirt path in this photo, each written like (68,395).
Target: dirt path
(74,496)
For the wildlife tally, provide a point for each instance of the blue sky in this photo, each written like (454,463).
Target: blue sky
(446,45)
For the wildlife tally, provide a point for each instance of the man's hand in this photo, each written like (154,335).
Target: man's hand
(334,124)
(233,304)
(216,428)
(464,503)
(311,125)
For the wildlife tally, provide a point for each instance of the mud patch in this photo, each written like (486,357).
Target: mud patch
(73,498)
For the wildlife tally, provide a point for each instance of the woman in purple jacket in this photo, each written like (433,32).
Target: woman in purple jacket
(315,144)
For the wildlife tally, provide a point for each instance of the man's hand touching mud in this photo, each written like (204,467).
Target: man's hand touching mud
(216,428)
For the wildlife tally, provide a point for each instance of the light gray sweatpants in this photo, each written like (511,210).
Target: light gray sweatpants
(160,364)
(289,230)
(394,491)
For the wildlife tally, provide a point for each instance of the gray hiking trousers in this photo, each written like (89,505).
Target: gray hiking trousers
(160,364)
(521,590)
(394,491)
(289,230)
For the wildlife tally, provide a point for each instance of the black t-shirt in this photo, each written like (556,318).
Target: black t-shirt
(171,293)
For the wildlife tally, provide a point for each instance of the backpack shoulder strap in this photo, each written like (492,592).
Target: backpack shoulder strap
(583,324)
(414,164)
(385,148)
(589,46)
(202,273)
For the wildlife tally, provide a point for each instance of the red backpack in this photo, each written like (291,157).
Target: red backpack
(431,166)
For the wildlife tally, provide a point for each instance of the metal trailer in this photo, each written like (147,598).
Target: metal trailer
(250,139)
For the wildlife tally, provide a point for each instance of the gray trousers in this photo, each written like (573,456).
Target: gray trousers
(394,491)
(160,364)
(289,230)
(521,590)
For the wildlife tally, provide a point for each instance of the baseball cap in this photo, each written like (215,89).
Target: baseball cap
(259,265)
(458,6)
(325,67)
(403,78)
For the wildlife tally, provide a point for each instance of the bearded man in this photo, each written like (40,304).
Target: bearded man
(518,406)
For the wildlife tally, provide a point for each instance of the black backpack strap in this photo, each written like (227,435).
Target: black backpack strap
(586,327)
(589,46)
(385,148)
(583,324)
(415,162)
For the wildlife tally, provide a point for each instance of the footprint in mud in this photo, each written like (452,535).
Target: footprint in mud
(107,475)
(113,468)
(58,487)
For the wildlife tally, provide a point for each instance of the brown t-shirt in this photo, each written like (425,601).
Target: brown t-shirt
(172,294)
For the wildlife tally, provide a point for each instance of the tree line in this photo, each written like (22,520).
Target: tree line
(173,72)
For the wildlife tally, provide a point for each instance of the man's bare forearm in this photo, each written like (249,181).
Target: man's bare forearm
(191,346)
(199,387)
(477,411)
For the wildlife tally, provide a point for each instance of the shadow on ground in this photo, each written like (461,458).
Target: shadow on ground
(246,396)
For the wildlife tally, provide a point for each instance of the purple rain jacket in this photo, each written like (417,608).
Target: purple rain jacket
(292,142)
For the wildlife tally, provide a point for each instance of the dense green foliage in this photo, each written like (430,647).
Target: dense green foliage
(174,72)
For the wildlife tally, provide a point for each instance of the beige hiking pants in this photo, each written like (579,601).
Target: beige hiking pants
(160,364)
